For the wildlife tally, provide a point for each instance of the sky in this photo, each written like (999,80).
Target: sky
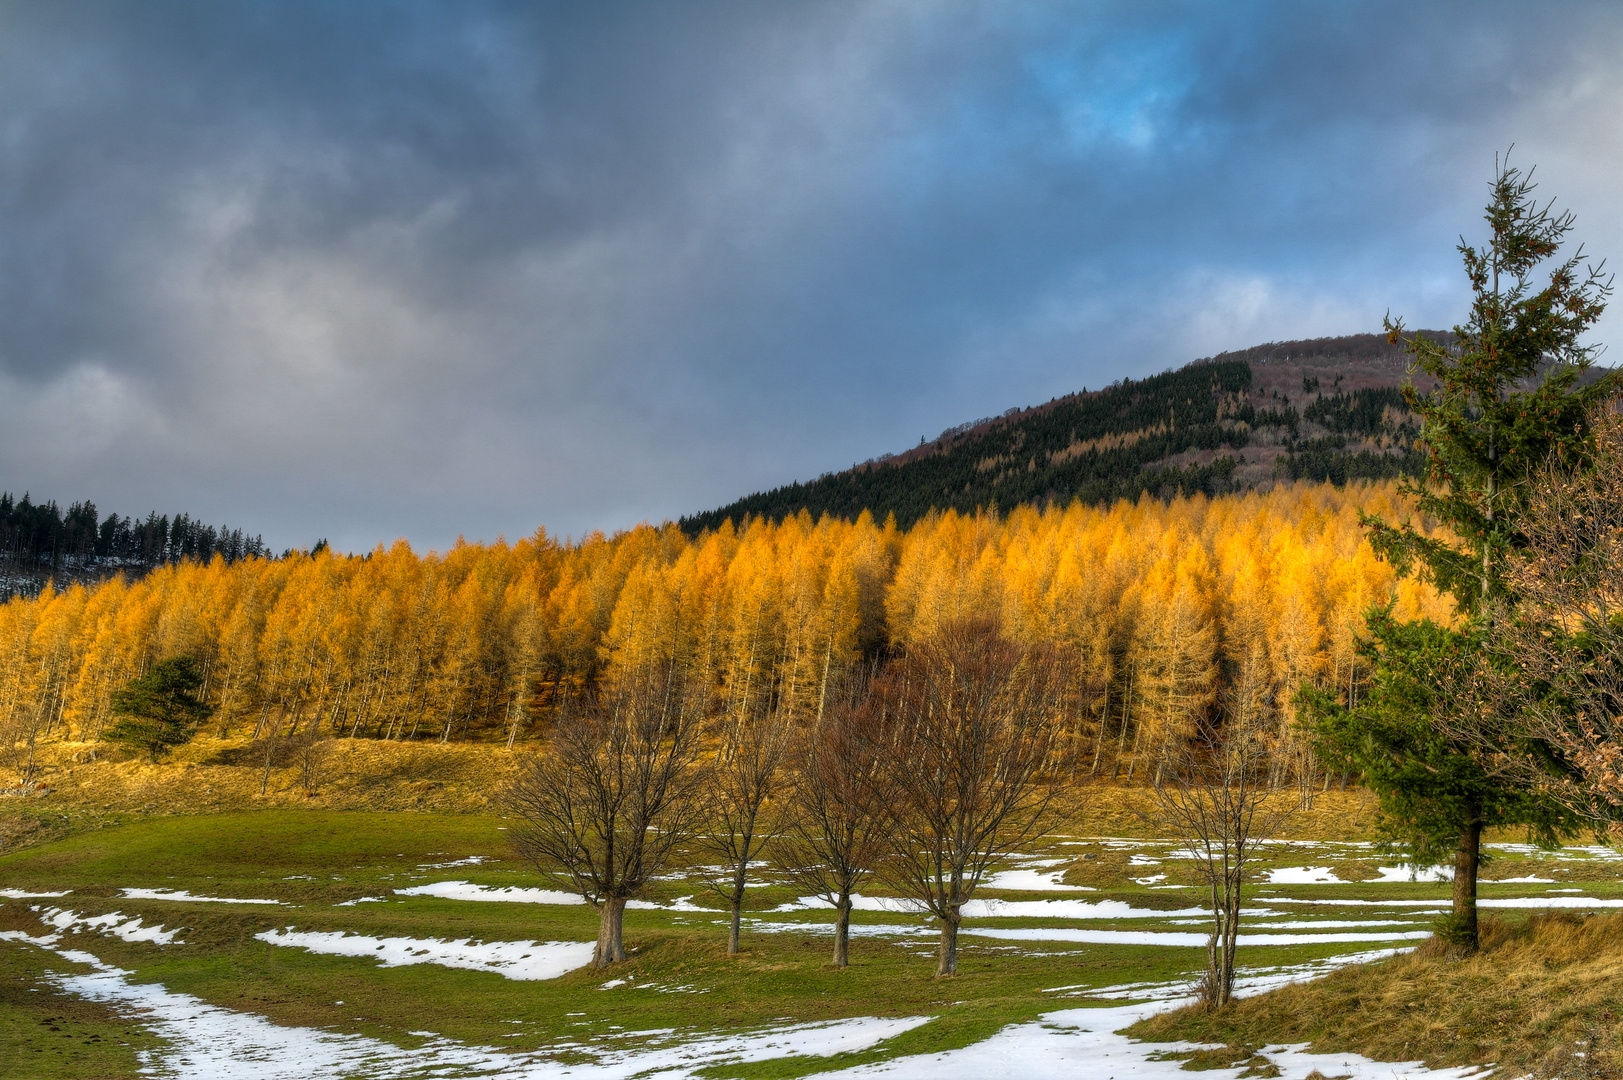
(362,271)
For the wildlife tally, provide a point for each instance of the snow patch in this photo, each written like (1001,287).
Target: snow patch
(1032,881)
(520,960)
(1174,939)
(181,894)
(113,924)
(211,1043)
(467,890)
(1303,875)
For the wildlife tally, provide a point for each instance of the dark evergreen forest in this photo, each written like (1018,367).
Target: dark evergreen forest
(38,542)
(1179,432)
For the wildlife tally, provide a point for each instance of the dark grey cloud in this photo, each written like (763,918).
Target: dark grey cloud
(368,270)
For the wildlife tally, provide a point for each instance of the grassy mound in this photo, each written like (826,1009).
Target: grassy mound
(1543,998)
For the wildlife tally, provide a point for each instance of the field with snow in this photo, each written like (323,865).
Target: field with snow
(328,944)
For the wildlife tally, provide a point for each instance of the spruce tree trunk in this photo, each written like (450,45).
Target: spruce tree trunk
(842,931)
(947,956)
(1462,930)
(611,918)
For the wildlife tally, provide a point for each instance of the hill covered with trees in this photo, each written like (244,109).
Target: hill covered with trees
(1327,409)
(1155,604)
(39,543)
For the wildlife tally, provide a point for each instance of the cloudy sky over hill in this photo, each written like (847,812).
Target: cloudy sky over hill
(368,270)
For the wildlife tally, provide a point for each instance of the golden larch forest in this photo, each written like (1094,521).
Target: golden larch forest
(1166,612)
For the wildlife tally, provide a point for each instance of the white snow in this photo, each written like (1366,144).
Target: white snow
(472,860)
(1083,1042)
(114,924)
(1002,909)
(181,894)
(211,1043)
(19,894)
(1521,881)
(1411,873)
(524,960)
(1032,881)
(467,890)
(1174,938)
(512,894)
(1303,875)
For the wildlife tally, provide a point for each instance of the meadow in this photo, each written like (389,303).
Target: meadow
(321,940)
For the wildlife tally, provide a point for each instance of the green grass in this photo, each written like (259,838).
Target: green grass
(47,1033)
(314,860)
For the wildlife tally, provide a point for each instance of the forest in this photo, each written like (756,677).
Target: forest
(1158,609)
(38,541)
(1180,432)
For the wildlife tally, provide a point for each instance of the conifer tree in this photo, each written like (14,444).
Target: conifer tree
(1510,392)
(159,710)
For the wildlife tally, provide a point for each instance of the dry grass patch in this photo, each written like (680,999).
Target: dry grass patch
(1544,996)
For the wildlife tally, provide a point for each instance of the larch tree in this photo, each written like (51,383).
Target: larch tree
(1510,392)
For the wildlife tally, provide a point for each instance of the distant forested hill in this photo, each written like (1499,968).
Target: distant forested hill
(1326,409)
(40,542)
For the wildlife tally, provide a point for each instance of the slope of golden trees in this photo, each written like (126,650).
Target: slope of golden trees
(1164,610)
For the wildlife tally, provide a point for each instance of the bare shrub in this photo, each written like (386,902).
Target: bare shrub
(1216,796)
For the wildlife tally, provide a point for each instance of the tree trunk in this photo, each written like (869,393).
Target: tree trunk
(842,931)
(611,918)
(736,906)
(1462,929)
(947,956)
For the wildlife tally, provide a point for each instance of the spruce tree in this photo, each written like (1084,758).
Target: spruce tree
(159,710)
(1510,392)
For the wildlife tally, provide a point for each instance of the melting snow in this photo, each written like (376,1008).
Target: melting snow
(525,960)
(467,890)
(1174,938)
(1032,881)
(114,923)
(18,894)
(1303,875)
(1083,1042)
(181,894)
(211,1043)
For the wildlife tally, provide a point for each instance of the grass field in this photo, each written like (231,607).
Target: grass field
(147,953)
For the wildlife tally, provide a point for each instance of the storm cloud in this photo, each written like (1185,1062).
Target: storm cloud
(368,270)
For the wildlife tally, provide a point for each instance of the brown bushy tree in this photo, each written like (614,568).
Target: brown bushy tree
(617,789)
(841,810)
(969,725)
(746,773)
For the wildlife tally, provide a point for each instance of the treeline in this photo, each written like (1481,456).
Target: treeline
(1157,607)
(38,540)
(1112,444)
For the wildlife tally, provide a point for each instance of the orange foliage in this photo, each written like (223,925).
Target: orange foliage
(1163,608)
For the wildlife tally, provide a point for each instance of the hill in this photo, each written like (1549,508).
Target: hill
(40,543)
(1326,409)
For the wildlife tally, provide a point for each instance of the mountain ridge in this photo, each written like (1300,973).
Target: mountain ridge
(1316,409)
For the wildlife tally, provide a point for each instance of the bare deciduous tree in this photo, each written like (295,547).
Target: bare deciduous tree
(969,726)
(1217,797)
(839,831)
(615,791)
(745,776)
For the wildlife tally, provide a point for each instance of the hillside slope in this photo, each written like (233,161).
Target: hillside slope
(1327,409)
